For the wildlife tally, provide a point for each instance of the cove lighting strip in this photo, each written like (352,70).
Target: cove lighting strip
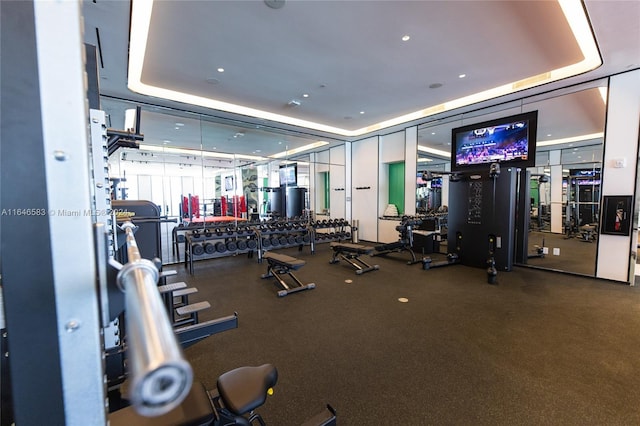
(434,151)
(197,153)
(299,149)
(573,11)
(571,139)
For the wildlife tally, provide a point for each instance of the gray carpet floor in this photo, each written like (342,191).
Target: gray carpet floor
(539,348)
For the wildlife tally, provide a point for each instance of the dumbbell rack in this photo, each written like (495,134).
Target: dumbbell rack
(332,230)
(219,242)
(283,234)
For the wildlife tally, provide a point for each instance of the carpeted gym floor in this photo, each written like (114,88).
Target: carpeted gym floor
(538,348)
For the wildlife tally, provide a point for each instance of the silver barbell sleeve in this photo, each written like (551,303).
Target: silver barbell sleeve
(161,377)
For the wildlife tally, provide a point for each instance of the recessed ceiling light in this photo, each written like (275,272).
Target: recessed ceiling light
(405,38)
(220,69)
(433,133)
(166,141)
(179,124)
(361,112)
(574,12)
(462,76)
(305,95)
(548,135)
(177,128)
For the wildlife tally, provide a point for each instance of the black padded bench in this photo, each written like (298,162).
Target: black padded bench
(281,264)
(351,254)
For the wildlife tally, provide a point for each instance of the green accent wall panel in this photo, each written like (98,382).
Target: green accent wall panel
(396,186)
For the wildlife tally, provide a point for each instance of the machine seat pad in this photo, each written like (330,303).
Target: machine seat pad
(391,246)
(245,389)
(284,260)
(352,248)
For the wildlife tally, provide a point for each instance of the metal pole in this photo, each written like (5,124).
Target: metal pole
(161,377)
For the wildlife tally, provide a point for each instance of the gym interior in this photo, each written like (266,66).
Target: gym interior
(170,260)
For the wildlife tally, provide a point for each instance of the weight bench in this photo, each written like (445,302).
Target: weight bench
(351,254)
(281,264)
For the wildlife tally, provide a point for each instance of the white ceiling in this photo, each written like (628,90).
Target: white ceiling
(349,58)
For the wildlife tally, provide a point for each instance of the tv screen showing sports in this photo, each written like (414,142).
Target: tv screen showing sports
(289,175)
(510,141)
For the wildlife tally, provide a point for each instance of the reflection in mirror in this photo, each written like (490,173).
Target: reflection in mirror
(565,184)
(564,190)
(203,170)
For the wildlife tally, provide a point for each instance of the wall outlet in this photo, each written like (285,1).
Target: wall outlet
(545,250)
(556,251)
(620,163)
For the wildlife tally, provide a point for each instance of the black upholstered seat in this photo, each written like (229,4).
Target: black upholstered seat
(244,389)
(284,260)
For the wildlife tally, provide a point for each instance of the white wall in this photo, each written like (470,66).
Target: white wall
(337,184)
(364,187)
(556,191)
(621,143)
(410,169)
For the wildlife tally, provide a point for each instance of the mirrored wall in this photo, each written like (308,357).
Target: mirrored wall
(199,169)
(564,185)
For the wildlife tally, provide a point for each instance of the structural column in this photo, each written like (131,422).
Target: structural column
(47,251)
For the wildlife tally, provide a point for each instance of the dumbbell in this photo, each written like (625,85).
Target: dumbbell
(242,244)
(221,247)
(197,249)
(232,246)
(209,248)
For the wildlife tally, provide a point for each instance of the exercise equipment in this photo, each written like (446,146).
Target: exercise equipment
(238,393)
(281,264)
(160,376)
(404,243)
(351,253)
(428,263)
(197,249)
(588,233)
(482,204)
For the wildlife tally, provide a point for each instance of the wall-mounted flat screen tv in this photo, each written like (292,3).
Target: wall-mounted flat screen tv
(510,141)
(289,175)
